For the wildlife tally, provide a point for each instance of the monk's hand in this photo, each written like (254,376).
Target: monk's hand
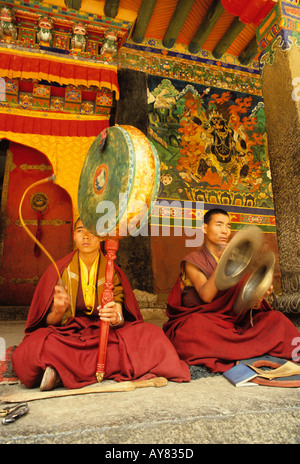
(112,313)
(61,300)
(258,304)
(269,291)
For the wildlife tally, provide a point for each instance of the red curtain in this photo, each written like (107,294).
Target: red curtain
(249,11)
(47,126)
(55,69)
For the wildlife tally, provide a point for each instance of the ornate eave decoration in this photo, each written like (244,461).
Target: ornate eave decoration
(99,33)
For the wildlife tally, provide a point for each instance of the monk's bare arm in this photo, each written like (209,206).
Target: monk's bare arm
(205,288)
(61,301)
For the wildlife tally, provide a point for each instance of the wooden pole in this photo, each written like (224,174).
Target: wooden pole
(111,247)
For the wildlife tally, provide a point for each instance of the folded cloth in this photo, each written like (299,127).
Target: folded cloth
(274,372)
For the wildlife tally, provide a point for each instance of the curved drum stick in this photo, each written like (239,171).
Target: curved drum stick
(43,181)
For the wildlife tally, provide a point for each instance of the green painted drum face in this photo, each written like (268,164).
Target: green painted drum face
(119,181)
(100,179)
(105,174)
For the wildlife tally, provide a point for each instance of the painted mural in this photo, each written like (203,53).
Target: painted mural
(211,142)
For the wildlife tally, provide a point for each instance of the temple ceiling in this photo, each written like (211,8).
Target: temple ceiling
(218,26)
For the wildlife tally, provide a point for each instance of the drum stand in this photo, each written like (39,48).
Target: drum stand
(111,248)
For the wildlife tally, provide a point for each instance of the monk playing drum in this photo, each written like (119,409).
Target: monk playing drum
(62,329)
(203,326)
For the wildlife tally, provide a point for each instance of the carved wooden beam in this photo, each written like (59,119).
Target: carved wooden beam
(111,8)
(179,16)
(234,30)
(249,52)
(143,19)
(73,4)
(213,14)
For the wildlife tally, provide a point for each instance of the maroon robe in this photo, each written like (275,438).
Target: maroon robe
(210,333)
(138,350)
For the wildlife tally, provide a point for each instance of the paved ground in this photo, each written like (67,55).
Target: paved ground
(204,411)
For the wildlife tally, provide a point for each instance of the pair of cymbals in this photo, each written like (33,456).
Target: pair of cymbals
(235,262)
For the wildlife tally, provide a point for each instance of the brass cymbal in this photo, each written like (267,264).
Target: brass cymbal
(257,285)
(238,256)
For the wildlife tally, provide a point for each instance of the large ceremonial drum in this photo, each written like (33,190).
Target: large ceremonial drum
(119,183)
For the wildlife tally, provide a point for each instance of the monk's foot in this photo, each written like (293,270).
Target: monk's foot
(50,379)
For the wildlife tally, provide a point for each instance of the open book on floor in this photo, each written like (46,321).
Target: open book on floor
(240,375)
(265,370)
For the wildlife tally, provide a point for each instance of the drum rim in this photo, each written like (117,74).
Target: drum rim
(131,176)
(155,156)
(156,184)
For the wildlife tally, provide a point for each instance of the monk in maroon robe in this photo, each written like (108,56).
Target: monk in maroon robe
(62,329)
(202,324)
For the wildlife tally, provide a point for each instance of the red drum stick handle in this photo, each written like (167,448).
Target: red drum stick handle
(100,368)
(111,247)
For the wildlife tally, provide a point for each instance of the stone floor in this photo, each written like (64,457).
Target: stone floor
(205,411)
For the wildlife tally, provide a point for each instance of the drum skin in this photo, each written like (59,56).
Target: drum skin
(119,181)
